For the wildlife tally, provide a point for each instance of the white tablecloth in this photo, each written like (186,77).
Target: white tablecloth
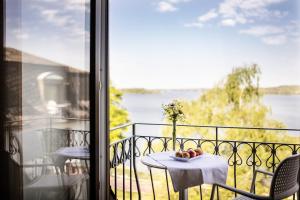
(206,169)
(61,155)
(73,153)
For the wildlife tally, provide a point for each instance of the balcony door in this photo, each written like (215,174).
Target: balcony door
(49,100)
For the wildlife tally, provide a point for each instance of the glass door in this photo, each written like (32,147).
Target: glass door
(47,98)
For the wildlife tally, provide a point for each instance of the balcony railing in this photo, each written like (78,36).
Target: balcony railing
(131,180)
(125,154)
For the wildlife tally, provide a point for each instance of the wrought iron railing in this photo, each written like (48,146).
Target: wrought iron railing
(256,154)
(125,153)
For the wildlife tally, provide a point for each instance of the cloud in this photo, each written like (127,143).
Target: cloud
(275,40)
(64,14)
(262,30)
(20,34)
(275,35)
(62,5)
(234,12)
(78,5)
(167,5)
(55,18)
(231,13)
(242,11)
(164,6)
(296,40)
(178,1)
(43,1)
(234,21)
(233,7)
(202,19)
(228,22)
(208,16)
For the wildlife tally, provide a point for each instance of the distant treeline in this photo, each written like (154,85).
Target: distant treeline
(283,90)
(140,91)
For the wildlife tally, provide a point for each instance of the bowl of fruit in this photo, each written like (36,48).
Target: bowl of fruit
(189,155)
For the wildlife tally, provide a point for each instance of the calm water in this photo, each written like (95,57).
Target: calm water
(147,107)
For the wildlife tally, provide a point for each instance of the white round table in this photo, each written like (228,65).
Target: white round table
(81,153)
(77,152)
(206,169)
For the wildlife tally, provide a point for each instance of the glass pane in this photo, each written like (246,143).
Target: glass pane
(47,81)
(231,64)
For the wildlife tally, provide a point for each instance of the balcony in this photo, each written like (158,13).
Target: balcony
(130,179)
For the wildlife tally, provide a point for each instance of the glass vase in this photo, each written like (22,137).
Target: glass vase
(174,136)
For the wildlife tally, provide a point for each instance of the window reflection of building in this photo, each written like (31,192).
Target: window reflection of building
(52,87)
(44,80)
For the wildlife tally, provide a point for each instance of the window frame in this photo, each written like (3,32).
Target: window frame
(99,104)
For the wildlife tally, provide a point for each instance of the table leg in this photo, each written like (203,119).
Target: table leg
(183,194)
(87,166)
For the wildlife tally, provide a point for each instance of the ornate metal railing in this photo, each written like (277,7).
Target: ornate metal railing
(122,151)
(64,136)
(252,154)
(125,167)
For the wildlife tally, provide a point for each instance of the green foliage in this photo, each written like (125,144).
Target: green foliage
(173,111)
(236,101)
(118,115)
(240,87)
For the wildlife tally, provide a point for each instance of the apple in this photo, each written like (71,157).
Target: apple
(178,154)
(185,154)
(199,151)
(192,153)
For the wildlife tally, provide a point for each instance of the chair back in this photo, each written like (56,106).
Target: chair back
(285,181)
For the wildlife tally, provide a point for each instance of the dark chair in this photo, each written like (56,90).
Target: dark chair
(284,182)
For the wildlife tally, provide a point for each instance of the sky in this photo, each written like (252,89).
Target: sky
(195,43)
(54,29)
(167,43)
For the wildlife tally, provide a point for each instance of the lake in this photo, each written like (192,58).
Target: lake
(148,107)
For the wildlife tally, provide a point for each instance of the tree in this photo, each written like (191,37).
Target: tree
(240,85)
(117,115)
(236,101)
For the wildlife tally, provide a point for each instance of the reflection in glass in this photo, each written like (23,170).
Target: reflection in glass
(47,79)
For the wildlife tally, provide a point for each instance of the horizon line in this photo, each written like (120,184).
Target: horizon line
(191,88)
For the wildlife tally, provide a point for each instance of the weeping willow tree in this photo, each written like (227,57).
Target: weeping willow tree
(236,101)
(117,115)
